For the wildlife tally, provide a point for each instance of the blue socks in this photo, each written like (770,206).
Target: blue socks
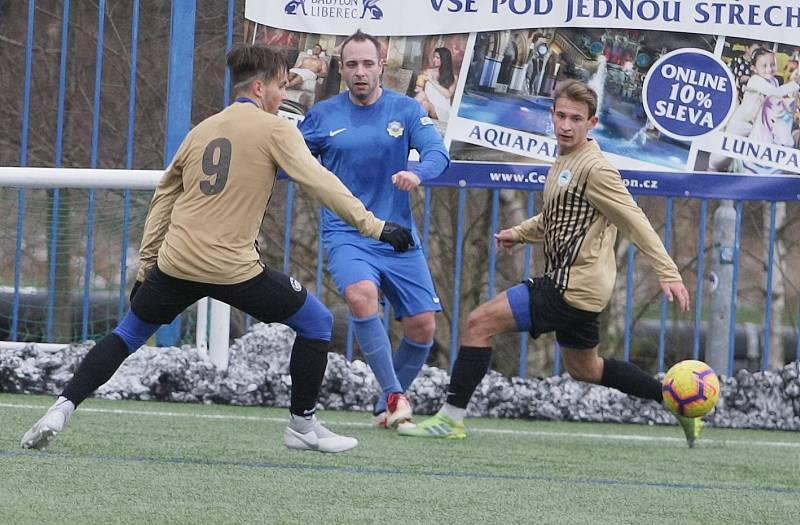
(377,350)
(408,361)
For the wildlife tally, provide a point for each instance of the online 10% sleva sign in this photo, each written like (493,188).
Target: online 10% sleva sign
(689,93)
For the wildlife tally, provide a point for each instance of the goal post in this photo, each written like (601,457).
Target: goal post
(64,265)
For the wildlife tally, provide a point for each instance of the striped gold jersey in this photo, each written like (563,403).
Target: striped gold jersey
(585,203)
(208,208)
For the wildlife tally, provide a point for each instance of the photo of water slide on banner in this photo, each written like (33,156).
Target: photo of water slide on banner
(422,67)
(507,96)
(762,135)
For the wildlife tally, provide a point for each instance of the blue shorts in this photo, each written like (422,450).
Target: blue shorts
(404,278)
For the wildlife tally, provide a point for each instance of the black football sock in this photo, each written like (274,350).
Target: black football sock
(307,369)
(630,379)
(96,368)
(471,365)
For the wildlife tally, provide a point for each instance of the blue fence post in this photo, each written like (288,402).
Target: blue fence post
(492,244)
(90,218)
(287,232)
(23,161)
(629,284)
(526,274)
(662,333)
(320,258)
(462,203)
(228,46)
(426,221)
(179,108)
(62,88)
(126,222)
(797,349)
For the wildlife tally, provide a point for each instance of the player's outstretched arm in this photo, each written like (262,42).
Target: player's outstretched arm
(290,152)
(530,230)
(158,216)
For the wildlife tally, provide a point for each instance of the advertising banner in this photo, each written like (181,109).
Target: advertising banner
(695,98)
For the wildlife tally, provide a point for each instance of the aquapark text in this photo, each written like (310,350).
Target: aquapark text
(730,12)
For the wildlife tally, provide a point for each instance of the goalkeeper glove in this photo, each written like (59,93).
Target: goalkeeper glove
(399,237)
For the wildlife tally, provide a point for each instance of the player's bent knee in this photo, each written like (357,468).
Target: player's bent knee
(362,298)
(134,331)
(476,324)
(420,328)
(312,321)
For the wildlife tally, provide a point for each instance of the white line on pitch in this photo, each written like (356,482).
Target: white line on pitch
(532,433)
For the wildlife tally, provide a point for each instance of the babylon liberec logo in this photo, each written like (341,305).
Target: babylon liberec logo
(335,8)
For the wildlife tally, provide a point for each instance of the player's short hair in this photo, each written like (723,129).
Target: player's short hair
(248,61)
(360,36)
(577,91)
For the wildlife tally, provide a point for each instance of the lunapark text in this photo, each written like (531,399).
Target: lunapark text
(771,155)
(730,12)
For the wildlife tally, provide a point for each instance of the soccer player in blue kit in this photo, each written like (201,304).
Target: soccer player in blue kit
(365,135)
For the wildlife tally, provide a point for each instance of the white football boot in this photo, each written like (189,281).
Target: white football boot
(47,428)
(317,438)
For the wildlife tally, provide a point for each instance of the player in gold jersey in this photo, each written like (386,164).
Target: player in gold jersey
(200,240)
(585,203)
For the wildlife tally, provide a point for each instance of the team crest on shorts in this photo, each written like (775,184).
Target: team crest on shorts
(564,177)
(296,285)
(395,129)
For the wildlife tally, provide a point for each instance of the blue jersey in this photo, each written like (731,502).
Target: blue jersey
(364,146)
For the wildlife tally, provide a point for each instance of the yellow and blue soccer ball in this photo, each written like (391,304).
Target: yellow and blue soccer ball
(690,389)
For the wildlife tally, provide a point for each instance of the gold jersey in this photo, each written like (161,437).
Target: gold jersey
(207,210)
(585,203)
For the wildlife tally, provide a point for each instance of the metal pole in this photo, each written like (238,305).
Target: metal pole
(179,108)
(718,340)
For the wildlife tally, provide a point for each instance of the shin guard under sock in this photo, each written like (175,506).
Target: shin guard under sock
(96,368)
(471,365)
(630,379)
(307,368)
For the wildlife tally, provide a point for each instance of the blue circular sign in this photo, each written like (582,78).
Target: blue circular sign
(689,93)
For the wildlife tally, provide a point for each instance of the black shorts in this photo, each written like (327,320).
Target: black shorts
(574,328)
(270,297)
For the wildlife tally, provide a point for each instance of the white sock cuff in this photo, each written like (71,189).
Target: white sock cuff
(65,405)
(453,412)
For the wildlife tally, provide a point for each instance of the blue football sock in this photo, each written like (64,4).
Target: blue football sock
(377,350)
(408,361)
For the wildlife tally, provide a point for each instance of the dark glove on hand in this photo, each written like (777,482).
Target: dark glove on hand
(135,288)
(399,237)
